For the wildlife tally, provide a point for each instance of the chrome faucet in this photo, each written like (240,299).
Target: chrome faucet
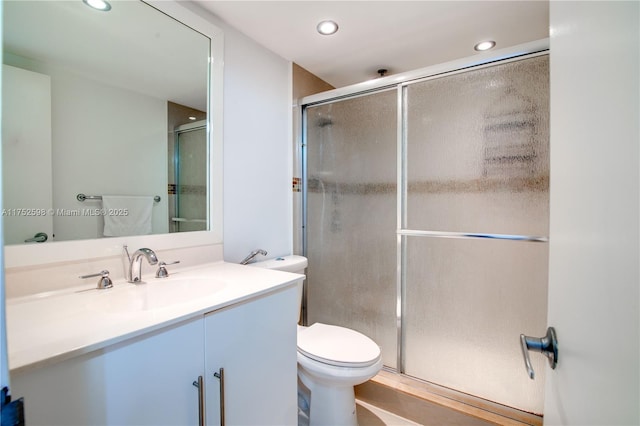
(134,271)
(253,254)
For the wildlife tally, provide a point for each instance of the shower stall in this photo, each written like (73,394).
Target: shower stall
(189,209)
(426,206)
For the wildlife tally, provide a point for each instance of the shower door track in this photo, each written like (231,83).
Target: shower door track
(531,49)
(400,82)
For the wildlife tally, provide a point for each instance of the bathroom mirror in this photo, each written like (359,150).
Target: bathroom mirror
(110,164)
(92,104)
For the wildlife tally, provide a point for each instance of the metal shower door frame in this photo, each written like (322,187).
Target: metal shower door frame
(400,83)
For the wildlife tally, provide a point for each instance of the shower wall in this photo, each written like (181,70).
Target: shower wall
(404,256)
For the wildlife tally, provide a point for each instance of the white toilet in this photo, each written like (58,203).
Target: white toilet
(331,361)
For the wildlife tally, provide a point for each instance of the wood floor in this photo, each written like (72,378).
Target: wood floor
(391,399)
(407,410)
(370,415)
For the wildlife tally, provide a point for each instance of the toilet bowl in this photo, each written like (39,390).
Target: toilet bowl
(331,361)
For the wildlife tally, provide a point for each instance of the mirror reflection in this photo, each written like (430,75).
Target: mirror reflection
(111,105)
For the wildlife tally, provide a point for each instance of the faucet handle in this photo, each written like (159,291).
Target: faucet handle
(103,282)
(251,255)
(162,270)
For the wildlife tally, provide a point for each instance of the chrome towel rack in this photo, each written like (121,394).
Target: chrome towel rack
(82,197)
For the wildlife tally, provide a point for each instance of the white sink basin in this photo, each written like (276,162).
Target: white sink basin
(155,293)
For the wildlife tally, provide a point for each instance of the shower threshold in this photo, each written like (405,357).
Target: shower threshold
(428,404)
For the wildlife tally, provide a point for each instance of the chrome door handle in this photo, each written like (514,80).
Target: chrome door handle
(202,416)
(220,376)
(547,345)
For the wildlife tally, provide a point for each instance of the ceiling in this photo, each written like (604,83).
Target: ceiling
(133,47)
(397,35)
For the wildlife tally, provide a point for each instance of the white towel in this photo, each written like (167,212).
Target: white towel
(127,215)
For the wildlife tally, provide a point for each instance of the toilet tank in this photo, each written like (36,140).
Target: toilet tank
(292,263)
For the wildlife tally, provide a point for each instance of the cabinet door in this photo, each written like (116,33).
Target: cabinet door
(144,381)
(151,382)
(255,343)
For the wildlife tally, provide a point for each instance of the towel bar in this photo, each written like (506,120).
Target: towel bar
(82,197)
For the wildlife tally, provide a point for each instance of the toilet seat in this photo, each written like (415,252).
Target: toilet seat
(337,346)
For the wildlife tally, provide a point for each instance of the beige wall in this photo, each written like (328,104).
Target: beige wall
(305,83)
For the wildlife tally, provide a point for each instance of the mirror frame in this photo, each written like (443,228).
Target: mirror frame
(66,251)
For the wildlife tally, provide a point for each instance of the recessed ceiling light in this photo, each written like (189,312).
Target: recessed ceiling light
(327,27)
(484,45)
(98,4)
(192,118)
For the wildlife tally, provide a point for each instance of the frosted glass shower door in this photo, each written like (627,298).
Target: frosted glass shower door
(351,216)
(190,163)
(477,163)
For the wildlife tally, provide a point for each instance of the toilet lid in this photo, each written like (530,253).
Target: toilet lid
(339,346)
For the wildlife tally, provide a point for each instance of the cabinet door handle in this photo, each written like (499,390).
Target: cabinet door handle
(201,401)
(220,376)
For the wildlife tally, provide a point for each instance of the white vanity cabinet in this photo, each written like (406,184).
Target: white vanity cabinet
(144,381)
(149,379)
(255,345)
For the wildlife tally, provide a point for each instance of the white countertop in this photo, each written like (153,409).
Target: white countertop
(49,327)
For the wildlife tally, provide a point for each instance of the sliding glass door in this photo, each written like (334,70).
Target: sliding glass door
(477,165)
(351,216)
(443,259)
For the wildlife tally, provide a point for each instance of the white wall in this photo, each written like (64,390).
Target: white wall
(257,153)
(4,358)
(257,147)
(26,149)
